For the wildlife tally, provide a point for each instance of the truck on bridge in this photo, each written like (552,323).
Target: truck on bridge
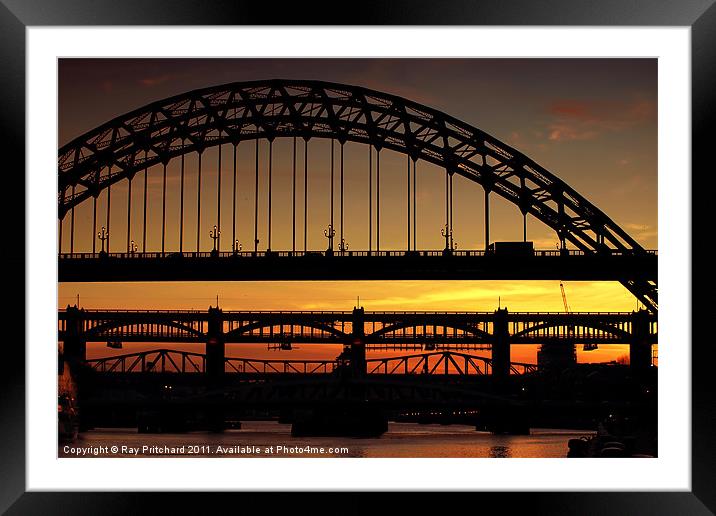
(511,249)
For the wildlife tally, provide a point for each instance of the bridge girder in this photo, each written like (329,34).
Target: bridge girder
(167,361)
(336,327)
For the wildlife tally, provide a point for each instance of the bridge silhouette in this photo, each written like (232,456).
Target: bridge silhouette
(494,331)
(162,361)
(203,122)
(201,129)
(445,381)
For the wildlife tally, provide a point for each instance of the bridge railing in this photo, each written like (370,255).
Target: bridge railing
(248,365)
(174,362)
(308,254)
(249,313)
(92,311)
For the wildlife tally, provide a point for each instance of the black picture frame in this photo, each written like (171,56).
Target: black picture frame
(17,15)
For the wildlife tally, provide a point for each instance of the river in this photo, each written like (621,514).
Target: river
(271,439)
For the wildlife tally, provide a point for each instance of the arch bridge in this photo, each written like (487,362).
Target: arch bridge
(203,129)
(360,331)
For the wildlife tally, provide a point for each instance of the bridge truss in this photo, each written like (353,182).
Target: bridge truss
(170,361)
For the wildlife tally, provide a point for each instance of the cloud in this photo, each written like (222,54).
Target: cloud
(566,132)
(153,81)
(578,120)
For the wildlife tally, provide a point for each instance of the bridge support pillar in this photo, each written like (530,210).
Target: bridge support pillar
(74,354)
(215,368)
(357,349)
(215,346)
(74,345)
(501,345)
(640,345)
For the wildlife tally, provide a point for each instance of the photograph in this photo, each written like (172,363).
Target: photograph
(357,257)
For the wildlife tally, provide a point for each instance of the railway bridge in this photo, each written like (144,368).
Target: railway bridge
(357,331)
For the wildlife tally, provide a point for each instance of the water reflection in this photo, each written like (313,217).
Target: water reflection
(401,440)
(500,452)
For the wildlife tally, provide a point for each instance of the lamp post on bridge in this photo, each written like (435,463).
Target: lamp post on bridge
(329,234)
(132,247)
(446,232)
(343,247)
(214,234)
(103,235)
(236,247)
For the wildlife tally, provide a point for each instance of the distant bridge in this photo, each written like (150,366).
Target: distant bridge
(361,330)
(167,361)
(339,327)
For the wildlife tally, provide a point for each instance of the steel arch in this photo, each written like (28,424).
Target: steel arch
(606,328)
(231,113)
(477,332)
(259,325)
(100,329)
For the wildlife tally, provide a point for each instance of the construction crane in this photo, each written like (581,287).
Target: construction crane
(585,347)
(564,298)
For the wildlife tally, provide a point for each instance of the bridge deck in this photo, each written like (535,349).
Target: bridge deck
(355,265)
(184,362)
(472,330)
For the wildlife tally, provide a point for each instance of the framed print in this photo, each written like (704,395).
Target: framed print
(424,257)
